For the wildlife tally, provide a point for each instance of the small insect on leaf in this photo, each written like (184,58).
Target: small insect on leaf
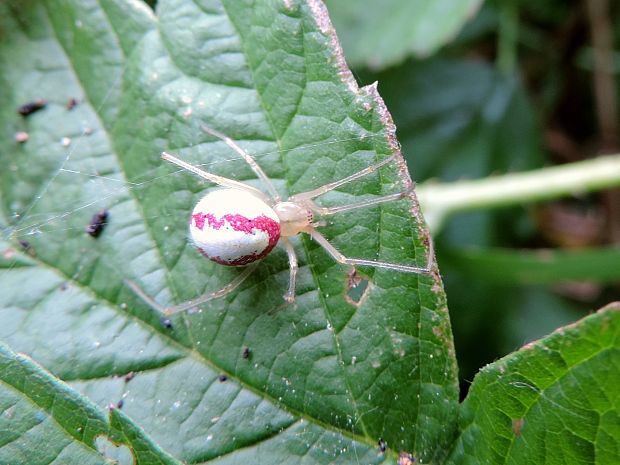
(97,223)
(27,247)
(382,445)
(31,107)
(72,103)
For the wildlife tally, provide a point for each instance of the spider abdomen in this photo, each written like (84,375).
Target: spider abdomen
(233,227)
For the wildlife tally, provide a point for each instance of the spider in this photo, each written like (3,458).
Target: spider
(238,224)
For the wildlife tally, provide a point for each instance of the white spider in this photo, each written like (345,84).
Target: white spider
(239,225)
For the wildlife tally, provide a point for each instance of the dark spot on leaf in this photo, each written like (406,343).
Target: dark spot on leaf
(31,107)
(27,247)
(72,103)
(166,322)
(222,378)
(246,353)
(97,223)
(382,444)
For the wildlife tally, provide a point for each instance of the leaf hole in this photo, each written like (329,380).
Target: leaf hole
(357,288)
(118,454)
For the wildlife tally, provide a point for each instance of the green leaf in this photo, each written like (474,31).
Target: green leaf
(45,421)
(327,377)
(554,401)
(380,34)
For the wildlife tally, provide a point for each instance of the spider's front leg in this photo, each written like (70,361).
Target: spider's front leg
(214,178)
(307,200)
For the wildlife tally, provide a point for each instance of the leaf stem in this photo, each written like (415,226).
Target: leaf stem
(439,200)
(507,37)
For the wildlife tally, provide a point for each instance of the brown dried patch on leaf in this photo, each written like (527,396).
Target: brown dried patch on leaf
(319,10)
(517,424)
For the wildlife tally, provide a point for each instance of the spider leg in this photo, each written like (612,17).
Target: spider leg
(248,158)
(293,267)
(214,178)
(324,211)
(234,284)
(335,184)
(340,258)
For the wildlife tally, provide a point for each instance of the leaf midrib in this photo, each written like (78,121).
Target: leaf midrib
(324,304)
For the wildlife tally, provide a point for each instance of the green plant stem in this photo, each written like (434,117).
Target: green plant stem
(439,200)
(507,37)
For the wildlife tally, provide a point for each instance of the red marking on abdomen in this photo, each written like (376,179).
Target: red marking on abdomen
(199,220)
(242,224)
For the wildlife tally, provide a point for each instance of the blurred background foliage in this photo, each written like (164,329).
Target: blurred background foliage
(481,88)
